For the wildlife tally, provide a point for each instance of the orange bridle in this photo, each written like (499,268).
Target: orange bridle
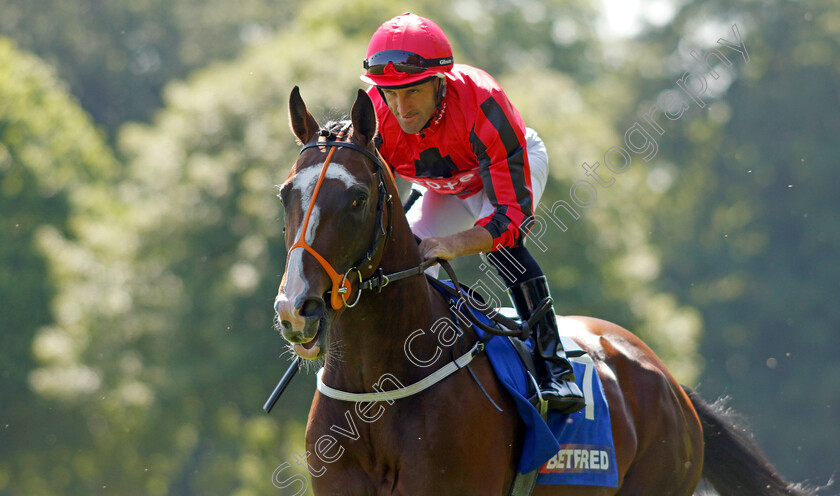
(340,284)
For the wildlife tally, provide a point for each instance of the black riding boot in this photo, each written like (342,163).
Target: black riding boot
(557,381)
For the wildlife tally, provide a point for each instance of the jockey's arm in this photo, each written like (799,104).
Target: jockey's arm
(469,242)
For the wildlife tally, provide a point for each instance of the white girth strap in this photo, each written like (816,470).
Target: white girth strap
(403,392)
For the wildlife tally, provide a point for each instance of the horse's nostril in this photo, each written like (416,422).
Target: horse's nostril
(285,325)
(312,308)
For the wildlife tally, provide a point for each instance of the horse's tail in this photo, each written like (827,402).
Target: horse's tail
(732,463)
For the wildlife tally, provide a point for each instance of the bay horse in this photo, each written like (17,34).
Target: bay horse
(335,302)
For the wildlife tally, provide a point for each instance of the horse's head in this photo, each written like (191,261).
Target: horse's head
(333,201)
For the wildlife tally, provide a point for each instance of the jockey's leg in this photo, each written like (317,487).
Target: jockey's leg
(527,287)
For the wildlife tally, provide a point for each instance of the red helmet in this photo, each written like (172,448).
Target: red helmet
(405,50)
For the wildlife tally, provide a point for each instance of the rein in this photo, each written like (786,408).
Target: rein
(340,283)
(464,298)
(341,286)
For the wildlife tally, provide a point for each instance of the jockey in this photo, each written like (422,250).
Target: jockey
(451,130)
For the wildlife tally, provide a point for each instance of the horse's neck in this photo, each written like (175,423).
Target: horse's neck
(370,340)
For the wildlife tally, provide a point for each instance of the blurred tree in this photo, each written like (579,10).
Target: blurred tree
(595,248)
(149,352)
(598,256)
(168,281)
(745,228)
(118,55)
(54,170)
(135,44)
(164,282)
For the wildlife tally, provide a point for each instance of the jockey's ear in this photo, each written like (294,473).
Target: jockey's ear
(301,121)
(364,118)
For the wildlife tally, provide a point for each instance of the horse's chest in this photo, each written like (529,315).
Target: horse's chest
(382,475)
(436,444)
(393,455)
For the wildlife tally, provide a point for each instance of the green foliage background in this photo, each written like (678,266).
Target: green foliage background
(140,245)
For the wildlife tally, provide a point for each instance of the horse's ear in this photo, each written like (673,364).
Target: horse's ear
(364,118)
(302,123)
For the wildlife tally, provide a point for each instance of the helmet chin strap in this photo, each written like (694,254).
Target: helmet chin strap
(441,92)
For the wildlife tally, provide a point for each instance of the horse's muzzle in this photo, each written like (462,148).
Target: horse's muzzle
(300,320)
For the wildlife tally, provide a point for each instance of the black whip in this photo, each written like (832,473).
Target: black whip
(281,386)
(412,197)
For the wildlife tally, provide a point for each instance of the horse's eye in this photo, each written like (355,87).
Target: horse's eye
(360,200)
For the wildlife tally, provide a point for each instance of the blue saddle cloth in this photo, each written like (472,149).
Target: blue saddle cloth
(567,449)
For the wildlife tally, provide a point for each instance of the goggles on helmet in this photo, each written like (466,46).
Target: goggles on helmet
(403,61)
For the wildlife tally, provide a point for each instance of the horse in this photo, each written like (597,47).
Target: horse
(337,303)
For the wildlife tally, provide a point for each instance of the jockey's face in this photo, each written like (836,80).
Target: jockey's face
(413,106)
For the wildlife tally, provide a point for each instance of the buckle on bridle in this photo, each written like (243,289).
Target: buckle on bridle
(381,280)
(343,290)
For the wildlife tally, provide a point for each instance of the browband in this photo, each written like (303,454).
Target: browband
(346,144)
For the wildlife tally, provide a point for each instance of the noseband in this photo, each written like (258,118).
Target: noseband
(340,283)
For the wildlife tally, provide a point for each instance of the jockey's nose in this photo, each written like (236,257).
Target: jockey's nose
(402,103)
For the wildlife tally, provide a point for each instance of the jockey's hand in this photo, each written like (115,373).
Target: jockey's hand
(469,242)
(431,248)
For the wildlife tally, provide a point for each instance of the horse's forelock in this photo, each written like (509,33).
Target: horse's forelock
(332,128)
